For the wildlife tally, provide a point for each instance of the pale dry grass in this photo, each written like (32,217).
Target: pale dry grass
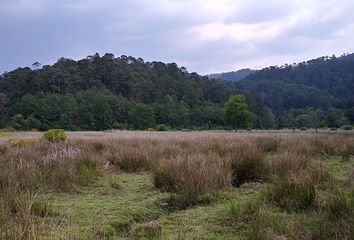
(187,164)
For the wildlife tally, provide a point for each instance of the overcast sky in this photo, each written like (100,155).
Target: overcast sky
(203,35)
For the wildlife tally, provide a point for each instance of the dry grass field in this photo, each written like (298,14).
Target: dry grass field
(178,185)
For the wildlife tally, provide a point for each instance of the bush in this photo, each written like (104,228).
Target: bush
(292,193)
(347,127)
(162,128)
(55,135)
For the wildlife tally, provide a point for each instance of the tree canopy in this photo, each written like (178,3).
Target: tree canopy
(237,114)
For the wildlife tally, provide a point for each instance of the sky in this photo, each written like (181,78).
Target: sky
(205,36)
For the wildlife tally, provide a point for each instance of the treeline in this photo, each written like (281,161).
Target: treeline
(317,92)
(108,92)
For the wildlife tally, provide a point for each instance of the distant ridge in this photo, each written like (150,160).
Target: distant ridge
(232,76)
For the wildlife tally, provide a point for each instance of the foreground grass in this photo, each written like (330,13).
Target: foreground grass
(242,187)
(124,211)
(106,210)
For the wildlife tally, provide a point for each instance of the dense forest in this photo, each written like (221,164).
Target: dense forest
(108,92)
(317,92)
(232,76)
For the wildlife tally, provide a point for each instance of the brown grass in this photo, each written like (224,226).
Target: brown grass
(189,165)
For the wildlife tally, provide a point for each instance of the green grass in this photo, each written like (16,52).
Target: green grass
(103,204)
(128,206)
(338,168)
(97,209)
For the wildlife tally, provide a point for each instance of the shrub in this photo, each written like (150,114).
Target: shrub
(55,135)
(347,127)
(292,193)
(162,128)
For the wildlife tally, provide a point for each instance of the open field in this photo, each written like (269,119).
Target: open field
(178,185)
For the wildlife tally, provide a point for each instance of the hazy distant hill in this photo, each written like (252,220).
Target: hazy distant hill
(232,76)
(320,83)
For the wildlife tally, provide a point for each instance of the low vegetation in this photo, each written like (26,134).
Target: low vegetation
(55,135)
(179,186)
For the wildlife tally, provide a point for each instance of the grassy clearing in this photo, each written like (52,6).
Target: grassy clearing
(286,186)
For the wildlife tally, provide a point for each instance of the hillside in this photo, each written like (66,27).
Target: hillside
(232,76)
(105,92)
(315,87)
(109,92)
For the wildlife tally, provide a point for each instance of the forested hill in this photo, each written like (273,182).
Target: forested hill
(307,88)
(319,83)
(109,92)
(232,76)
(105,92)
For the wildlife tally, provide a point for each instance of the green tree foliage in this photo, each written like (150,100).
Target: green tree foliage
(33,123)
(3,102)
(142,116)
(237,114)
(18,122)
(99,92)
(336,118)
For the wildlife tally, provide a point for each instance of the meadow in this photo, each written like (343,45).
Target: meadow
(178,185)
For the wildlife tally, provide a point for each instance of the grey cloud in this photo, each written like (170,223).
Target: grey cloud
(51,29)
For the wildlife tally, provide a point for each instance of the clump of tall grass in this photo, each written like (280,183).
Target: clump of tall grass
(191,176)
(129,157)
(268,144)
(248,164)
(296,193)
(287,164)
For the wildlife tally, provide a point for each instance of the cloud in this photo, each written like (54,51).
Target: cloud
(203,35)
